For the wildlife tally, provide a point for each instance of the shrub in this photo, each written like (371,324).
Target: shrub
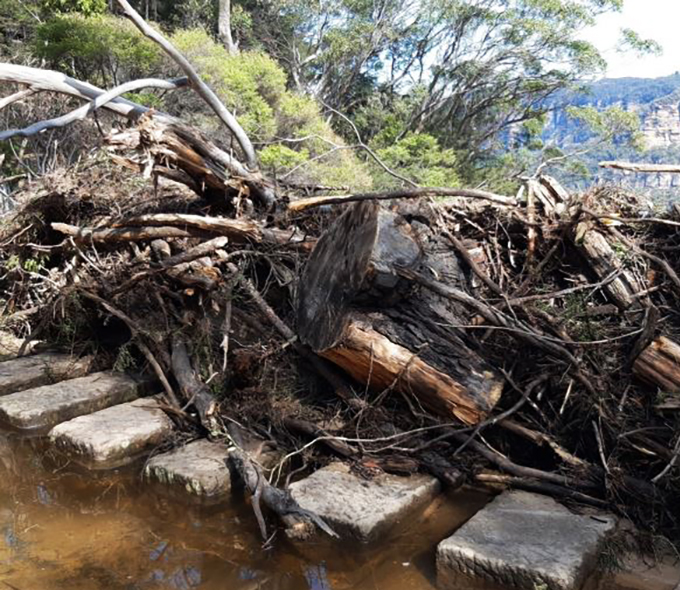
(104,50)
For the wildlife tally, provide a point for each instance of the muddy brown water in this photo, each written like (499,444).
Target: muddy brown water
(63,527)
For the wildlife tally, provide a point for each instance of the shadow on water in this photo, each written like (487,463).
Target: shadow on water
(61,527)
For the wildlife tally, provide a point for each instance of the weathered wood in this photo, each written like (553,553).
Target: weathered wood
(413,193)
(163,145)
(605,262)
(659,364)
(195,392)
(639,167)
(411,344)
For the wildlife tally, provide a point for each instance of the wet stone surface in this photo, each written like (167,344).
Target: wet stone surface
(40,369)
(197,469)
(364,509)
(41,408)
(522,540)
(114,436)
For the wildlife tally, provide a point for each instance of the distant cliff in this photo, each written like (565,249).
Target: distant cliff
(657,103)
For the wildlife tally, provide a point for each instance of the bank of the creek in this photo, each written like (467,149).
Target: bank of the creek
(64,527)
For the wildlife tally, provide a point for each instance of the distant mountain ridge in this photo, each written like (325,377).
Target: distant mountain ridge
(655,100)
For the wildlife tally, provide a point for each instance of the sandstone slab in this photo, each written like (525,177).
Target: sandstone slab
(115,436)
(10,346)
(522,540)
(41,408)
(198,469)
(32,371)
(364,509)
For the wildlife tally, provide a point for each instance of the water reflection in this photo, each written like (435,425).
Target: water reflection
(61,527)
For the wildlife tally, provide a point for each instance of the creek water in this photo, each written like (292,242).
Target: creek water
(63,527)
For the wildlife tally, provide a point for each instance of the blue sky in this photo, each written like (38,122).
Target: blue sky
(656,19)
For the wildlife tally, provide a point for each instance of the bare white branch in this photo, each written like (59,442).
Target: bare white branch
(203,90)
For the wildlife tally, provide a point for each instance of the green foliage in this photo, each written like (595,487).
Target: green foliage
(613,125)
(84,7)
(101,49)
(250,84)
(277,157)
(254,87)
(419,157)
(630,40)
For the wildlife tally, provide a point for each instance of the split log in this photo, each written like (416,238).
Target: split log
(605,263)
(165,145)
(410,344)
(659,364)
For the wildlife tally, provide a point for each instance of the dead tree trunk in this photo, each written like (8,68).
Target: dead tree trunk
(355,311)
(224,26)
(659,364)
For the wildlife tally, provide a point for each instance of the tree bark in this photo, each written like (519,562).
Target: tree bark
(604,261)
(355,311)
(224,26)
(659,364)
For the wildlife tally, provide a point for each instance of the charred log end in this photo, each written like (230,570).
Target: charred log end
(334,275)
(659,364)
(369,357)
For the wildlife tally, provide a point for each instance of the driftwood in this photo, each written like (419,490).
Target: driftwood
(299,523)
(659,364)
(406,345)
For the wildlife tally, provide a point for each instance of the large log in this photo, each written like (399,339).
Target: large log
(606,264)
(659,364)
(355,311)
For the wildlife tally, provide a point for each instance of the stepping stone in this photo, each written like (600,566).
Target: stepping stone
(115,436)
(41,408)
(198,470)
(32,371)
(522,540)
(10,346)
(364,509)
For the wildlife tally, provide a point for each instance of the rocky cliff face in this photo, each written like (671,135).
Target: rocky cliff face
(661,122)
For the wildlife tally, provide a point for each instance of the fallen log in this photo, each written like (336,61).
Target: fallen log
(165,145)
(176,225)
(413,193)
(659,364)
(605,263)
(410,344)
(639,167)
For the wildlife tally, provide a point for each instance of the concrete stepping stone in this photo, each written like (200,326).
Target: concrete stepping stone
(115,436)
(40,369)
(364,509)
(41,408)
(525,541)
(198,469)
